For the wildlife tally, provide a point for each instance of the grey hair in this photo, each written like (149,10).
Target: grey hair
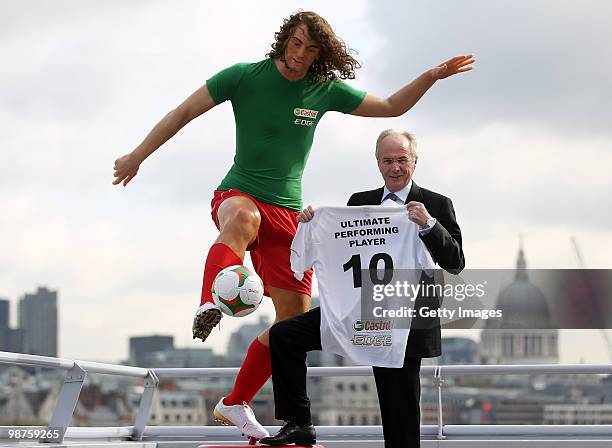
(412,143)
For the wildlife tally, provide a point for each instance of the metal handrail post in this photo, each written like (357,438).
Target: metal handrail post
(67,401)
(438,382)
(150,385)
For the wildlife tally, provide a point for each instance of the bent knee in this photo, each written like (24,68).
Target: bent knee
(241,222)
(242,218)
(282,329)
(238,208)
(245,216)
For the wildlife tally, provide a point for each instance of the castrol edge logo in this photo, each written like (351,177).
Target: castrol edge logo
(306,113)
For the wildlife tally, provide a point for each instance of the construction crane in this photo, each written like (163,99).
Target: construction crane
(589,286)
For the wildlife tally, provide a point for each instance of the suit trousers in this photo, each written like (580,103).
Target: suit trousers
(290,340)
(399,389)
(399,393)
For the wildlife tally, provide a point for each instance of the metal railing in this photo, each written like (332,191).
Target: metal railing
(76,372)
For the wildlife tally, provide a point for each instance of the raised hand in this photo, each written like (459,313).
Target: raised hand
(458,64)
(126,168)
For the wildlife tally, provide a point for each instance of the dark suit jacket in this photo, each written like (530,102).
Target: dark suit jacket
(444,244)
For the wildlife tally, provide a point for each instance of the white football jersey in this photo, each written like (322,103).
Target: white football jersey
(341,241)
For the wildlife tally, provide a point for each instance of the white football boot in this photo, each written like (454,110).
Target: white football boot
(206,317)
(241,416)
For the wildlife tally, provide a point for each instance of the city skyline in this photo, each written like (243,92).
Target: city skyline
(27,397)
(163,350)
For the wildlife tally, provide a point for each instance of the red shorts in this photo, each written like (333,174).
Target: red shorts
(271,249)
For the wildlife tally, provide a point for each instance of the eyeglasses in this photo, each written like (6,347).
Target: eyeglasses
(402,161)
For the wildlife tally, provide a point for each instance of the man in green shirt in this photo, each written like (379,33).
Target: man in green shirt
(275,124)
(277,104)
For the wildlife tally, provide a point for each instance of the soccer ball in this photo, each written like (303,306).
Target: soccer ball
(237,291)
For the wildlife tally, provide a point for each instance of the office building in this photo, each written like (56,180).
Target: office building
(141,346)
(38,319)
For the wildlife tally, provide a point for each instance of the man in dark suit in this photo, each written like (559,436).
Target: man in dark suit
(398,389)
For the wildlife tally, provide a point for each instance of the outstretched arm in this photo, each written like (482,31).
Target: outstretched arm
(126,167)
(403,100)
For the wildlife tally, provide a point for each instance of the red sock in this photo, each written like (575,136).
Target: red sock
(255,371)
(219,257)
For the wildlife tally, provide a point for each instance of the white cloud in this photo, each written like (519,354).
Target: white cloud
(539,63)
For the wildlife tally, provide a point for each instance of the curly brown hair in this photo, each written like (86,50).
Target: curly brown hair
(334,61)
